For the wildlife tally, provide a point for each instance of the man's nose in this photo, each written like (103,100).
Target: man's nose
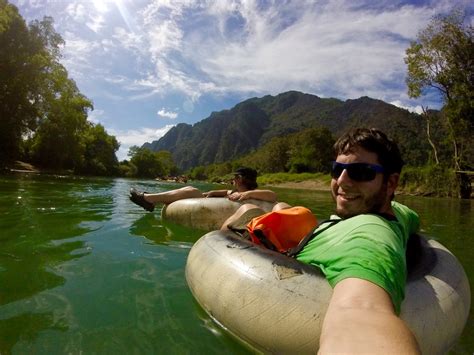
(344,178)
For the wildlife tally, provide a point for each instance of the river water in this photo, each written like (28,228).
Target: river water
(83,270)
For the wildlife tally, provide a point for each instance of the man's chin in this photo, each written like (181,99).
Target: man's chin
(351,212)
(344,214)
(347,208)
(350,209)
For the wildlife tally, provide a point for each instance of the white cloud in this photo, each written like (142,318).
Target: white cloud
(164,36)
(101,6)
(167,114)
(78,54)
(117,79)
(340,48)
(417,109)
(96,23)
(129,40)
(136,137)
(336,48)
(77,11)
(95,116)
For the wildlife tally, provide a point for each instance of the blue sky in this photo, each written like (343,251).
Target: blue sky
(148,65)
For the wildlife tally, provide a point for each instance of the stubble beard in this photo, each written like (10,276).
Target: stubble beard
(371,204)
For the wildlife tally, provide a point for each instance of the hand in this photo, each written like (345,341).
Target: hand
(238,196)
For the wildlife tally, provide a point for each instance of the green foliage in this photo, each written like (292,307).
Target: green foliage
(99,154)
(31,77)
(44,116)
(20,66)
(167,162)
(441,59)
(272,157)
(58,141)
(307,151)
(278,178)
(213,172)
(150,164)
(433,180)
(127,169)
(198,173)
(311,151)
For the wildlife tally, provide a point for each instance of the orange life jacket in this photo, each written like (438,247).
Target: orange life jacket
(282,230)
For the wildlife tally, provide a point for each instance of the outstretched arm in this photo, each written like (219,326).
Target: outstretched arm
(361,319)
(265,195)
(216,193)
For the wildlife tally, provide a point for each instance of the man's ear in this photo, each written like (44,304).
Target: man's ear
(392,183)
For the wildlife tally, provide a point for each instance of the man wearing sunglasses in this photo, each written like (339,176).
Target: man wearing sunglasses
(362,253)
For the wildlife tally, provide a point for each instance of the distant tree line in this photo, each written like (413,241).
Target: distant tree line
(307,151)
(145,163)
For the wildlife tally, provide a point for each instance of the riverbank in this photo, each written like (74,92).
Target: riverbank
(303,185)
(323,185)
(415,181)
(22,167)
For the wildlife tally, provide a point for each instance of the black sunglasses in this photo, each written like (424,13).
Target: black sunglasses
(356,171)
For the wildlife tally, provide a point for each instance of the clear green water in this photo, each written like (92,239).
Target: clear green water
(83,270)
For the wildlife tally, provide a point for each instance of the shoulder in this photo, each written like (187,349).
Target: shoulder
(365,222)
(408,218)
(401,209)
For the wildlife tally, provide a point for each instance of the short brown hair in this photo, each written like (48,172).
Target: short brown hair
(375,141)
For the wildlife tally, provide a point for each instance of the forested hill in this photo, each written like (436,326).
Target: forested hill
(229,134)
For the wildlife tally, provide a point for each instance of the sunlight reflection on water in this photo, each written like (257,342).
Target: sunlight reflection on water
(83,269)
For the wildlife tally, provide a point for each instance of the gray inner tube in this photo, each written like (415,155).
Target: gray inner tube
(277,304)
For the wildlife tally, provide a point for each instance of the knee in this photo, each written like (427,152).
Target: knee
(280,206)
(189,189)
(244,208)
(239,220)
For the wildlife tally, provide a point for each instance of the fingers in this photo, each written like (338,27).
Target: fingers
(242,196)
(234,196)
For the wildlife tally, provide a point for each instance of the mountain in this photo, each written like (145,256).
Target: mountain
(229,134)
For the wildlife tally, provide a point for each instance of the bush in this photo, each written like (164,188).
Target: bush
(291,177)
(427,180)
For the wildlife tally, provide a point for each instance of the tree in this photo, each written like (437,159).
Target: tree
(442,59)
(311,151)
(167,162)
(99,154)
(20,64)
(271,158)
(58,142)
(150,164)
(428,117)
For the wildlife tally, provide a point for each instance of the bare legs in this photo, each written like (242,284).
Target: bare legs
(280,206)
(174,195)
(247,207)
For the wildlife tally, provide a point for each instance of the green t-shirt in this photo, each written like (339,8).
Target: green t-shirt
(367,247)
